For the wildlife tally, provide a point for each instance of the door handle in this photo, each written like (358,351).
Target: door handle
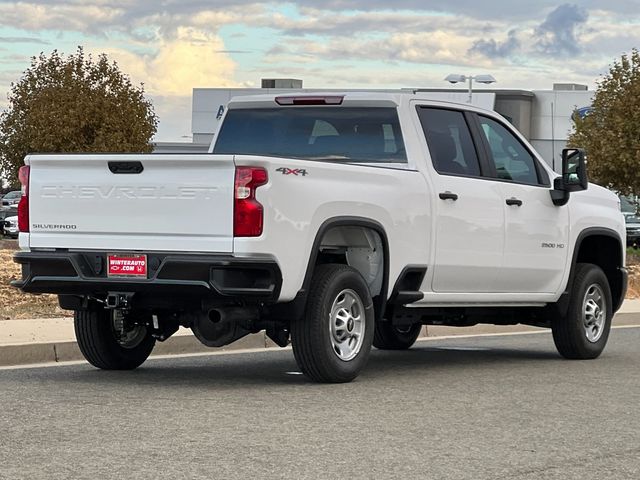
(448,196)
(514,201)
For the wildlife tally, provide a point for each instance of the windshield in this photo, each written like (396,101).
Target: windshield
(627,206)
(314,133)
(13,195)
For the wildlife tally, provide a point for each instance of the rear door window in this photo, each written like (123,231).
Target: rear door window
(449,140)
(314,133)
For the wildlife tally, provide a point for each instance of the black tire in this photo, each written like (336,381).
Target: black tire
(312,337)
(391,337)
(99,345)
(570,332)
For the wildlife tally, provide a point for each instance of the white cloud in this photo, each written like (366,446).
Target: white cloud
(347,24)
(438,47)
(65,16)
(192,59)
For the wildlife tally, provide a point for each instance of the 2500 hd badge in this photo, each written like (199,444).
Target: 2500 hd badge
(552,245)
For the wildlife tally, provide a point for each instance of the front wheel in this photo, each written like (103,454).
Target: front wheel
(332,342)
(583,332)
(110,341)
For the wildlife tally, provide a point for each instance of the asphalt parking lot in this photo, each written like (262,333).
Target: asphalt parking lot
(493,407)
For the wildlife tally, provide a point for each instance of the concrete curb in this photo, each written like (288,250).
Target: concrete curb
(34,353)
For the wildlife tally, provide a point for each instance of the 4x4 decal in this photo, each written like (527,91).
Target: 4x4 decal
(292,171)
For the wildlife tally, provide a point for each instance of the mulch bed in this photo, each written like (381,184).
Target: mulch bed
(15,305)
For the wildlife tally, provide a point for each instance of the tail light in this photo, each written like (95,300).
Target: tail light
(247,211)
(23,206)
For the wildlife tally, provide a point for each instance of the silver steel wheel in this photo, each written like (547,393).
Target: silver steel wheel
(347,325)
(594,312)
(126,336)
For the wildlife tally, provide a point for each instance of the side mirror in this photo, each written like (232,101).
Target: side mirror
(574,176)
(574,170)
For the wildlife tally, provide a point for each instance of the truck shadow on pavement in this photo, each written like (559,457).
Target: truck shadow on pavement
(279,368)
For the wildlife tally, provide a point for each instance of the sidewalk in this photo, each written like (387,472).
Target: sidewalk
(48,340)
(53,340)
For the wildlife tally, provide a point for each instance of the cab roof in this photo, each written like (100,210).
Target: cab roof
(346,98)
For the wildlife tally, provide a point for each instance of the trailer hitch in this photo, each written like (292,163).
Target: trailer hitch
(118,300)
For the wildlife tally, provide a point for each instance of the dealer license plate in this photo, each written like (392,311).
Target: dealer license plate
(127,266)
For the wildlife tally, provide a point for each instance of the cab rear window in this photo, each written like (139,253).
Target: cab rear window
(367,135)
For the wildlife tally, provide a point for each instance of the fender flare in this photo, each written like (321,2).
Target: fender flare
(295,309)
(563,302)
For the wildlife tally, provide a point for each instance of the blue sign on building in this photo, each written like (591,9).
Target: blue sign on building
(581,113)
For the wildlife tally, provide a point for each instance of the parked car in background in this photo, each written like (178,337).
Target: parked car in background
(11,198)
(633,230)
(6,212)
(10,227)
(632,220)
(627,205)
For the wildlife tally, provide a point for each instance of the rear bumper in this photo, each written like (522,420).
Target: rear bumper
(84,273)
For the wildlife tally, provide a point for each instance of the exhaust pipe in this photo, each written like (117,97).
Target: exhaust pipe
(221,326)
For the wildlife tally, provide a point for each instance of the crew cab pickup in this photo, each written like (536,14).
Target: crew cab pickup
(334,223)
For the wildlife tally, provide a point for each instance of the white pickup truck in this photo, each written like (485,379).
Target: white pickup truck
(333,222)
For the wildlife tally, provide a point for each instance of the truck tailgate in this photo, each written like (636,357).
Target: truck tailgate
(177,202)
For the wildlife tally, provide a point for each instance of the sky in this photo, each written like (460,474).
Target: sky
(173,46)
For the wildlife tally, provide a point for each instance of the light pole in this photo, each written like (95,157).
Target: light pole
(456,78)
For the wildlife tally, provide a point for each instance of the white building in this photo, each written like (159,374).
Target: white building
(544,117)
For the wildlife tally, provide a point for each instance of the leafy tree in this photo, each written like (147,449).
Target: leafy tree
(73,104)
(611,132)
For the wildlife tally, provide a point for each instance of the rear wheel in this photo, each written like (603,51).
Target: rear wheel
(395,337)
(583,332)
(332,342)
(110,341)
